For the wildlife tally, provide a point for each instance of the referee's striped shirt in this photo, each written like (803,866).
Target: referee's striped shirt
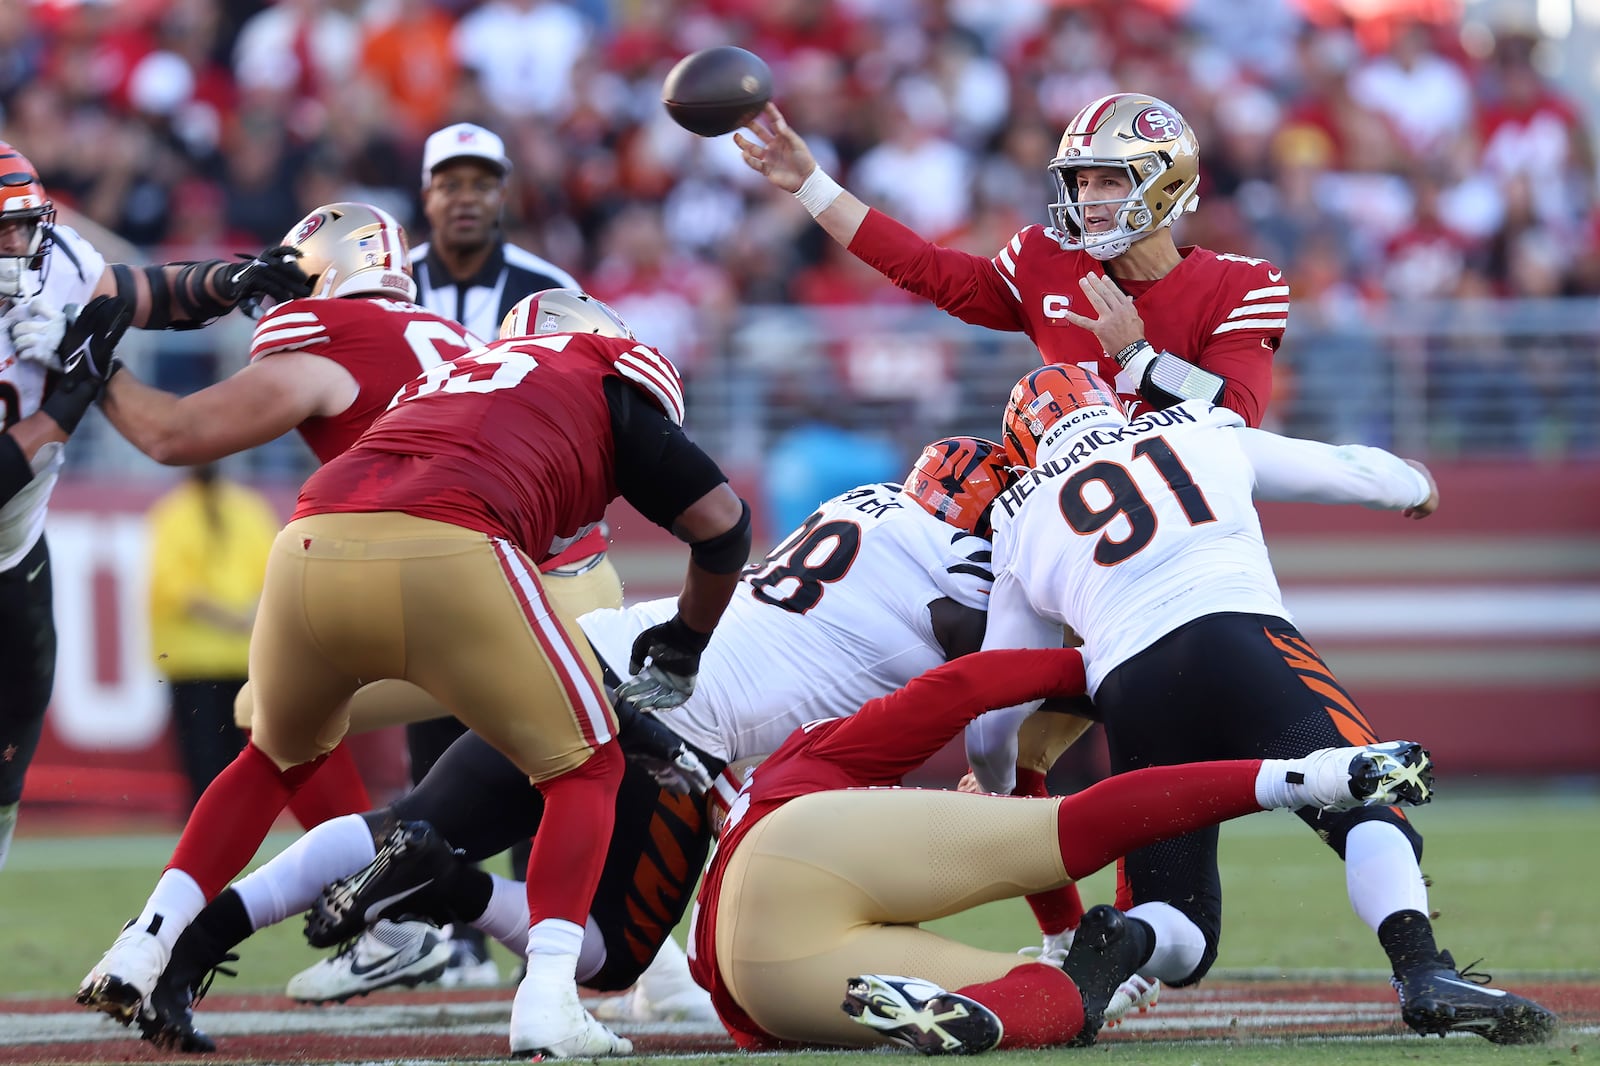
(480,302)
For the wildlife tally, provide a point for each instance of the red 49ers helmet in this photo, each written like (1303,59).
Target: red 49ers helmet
(1056,401)
(23,201)
(956,480)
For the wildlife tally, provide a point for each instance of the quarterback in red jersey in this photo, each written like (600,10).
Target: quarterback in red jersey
(414,556)
(823,874)
(1105,286)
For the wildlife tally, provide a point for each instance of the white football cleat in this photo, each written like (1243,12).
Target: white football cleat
(1398,772)
(665,992)
(921,1015)
(1135,995)
(548,1022)
(388,954)
(125,974)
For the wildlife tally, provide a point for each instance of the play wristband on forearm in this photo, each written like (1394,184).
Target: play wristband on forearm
(1166,379)
(818,192)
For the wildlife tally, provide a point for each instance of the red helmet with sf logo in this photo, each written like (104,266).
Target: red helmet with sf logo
(23,203)
(1053,403)
(956,480)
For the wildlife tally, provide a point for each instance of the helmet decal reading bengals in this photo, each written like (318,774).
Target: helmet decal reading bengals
(350,249)
(956,480)
(1052,404)
(1142,138)
(23,202)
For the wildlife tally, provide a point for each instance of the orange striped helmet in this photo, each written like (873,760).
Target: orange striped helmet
(23,200)
(1056,401)
(956,480)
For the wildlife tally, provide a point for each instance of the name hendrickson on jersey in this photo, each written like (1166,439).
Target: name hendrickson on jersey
(1090,442)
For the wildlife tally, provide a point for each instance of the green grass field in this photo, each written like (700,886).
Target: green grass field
(1512,878)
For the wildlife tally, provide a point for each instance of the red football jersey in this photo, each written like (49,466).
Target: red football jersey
(383,343)
(513,440)
(874,748)
(1224,313)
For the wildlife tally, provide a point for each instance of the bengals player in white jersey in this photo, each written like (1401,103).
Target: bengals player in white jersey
(1104,286)
(1141,534)
(45,268)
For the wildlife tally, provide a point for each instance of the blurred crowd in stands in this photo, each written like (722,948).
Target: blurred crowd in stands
(1374,161)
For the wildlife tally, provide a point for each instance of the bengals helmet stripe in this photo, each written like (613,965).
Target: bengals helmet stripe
(1057,401)
(956,480)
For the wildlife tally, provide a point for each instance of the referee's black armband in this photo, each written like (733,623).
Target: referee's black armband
(725,553)
(15,471)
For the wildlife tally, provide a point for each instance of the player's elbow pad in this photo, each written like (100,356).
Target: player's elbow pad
(725,553)
(1170,379)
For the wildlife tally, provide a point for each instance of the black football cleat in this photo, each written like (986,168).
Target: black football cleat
(1442,999)
(393,885)
(921,1015)
(1105,952)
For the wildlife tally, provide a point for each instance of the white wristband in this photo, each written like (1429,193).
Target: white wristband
(818,192)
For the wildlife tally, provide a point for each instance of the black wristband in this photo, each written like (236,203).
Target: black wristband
(1126,355)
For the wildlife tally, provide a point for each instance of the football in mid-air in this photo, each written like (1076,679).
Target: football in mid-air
(717,90)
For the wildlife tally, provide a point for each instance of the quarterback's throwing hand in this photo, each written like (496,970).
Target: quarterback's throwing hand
(780,155)
(664,664)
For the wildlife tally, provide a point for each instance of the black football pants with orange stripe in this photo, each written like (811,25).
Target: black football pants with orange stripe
(1226,686)
(482,804)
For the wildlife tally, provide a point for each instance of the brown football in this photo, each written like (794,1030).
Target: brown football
(717,90)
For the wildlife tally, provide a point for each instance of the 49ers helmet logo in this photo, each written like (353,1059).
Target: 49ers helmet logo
(308,227)
(1158,124)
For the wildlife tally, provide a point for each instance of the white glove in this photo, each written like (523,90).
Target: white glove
(37,331)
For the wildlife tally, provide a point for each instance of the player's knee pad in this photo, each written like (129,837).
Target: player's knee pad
(1335,827)
(1185,943)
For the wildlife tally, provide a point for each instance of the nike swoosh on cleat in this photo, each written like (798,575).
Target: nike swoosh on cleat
(375,911)
(1469,985)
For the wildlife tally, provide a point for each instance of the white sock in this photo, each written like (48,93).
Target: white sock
(553,946)
(506,916)
(171,907)
(1381,873)
(1179,942)
(8,826)
(292,880)
(592,956)
(1273,788)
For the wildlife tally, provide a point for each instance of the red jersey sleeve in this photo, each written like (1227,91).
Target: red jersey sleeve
(1249,319)
(970,287)
(894,734)
(292,326)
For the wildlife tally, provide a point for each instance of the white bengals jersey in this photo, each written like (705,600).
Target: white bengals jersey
(1127,533)
(837,614)
(72,272)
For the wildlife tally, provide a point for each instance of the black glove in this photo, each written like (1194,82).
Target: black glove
(667,757)
(664,663)
(273,275)
(87,358)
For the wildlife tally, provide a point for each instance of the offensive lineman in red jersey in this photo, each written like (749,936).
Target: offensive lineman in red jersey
(823,875)
(1105,287)
(413,555)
